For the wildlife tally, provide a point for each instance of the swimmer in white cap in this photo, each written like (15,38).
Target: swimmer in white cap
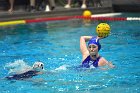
(37,69)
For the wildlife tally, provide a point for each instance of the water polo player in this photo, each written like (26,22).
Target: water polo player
(36,70)
(91,57)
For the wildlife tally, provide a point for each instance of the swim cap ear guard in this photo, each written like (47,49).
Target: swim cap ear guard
(38,66)
(95,40)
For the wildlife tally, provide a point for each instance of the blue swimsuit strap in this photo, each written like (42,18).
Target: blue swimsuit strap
(95,63)
(85,63)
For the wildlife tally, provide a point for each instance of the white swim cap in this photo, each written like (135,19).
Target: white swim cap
(38,66)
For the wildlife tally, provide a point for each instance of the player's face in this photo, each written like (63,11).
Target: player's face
(93,49)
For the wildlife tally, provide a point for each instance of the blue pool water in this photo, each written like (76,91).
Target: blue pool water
(56,44)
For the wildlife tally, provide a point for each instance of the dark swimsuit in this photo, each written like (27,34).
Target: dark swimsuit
(88,62)
(28,74)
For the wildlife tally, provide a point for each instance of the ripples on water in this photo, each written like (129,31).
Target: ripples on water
(57,46)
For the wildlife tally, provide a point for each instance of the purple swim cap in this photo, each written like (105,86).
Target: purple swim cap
(95,40)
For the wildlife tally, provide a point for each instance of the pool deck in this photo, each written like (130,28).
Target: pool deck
(21,14)
(57,12)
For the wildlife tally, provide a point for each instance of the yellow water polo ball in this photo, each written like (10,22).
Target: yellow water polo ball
(103,30)
(87,13)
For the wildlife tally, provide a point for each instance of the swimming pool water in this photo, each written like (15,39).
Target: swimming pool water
(56,44)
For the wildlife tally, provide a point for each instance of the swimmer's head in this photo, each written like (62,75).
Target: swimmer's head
(38,66)
(95,40)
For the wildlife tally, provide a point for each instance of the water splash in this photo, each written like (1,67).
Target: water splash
(16,67)
(63,67)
